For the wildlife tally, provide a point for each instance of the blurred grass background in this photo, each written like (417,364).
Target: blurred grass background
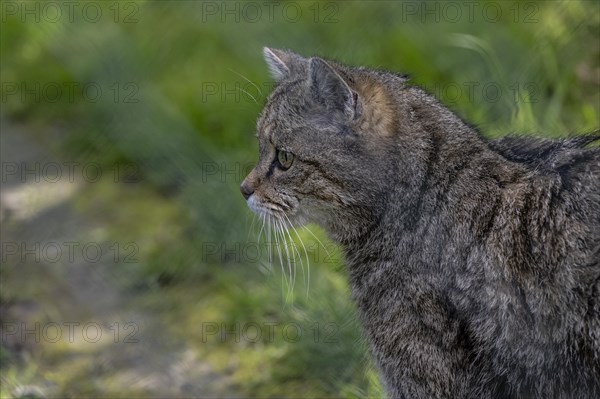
(176,113)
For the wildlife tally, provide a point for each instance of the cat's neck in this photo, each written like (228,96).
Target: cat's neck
(441,152)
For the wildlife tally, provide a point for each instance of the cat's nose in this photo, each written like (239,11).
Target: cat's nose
(246,189)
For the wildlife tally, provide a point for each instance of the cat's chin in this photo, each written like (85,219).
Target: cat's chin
(255,206)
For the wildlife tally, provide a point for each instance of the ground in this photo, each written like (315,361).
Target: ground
(141,358)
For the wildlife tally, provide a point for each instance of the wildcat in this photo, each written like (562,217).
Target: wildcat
(474,263)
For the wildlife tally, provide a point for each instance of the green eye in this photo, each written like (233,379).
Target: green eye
(285,159)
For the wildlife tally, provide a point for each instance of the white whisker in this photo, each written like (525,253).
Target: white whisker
(280,256)
(251,226)
(261,228)
(316,238)
(294,247)
(244,91)
(305,253)
(276,228)
(247,80)
(270,244)
(287,254)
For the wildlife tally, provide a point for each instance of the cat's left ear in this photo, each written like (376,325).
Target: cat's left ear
(331,90)
(284,64)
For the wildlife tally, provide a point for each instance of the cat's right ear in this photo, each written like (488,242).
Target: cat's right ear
(330,89)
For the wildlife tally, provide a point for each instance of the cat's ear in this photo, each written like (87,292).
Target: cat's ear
(282,64)
(278,68)
(330,90)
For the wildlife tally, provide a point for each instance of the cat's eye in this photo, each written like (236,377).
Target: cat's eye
(285,158)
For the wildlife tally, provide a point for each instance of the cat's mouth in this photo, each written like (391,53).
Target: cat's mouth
(287,207)
(264,209)
(289,211)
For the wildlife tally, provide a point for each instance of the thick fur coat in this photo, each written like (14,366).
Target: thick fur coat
(475,263)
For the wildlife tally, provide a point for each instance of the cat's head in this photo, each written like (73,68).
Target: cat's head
(324,144)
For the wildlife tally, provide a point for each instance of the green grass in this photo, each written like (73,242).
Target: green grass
(179,128)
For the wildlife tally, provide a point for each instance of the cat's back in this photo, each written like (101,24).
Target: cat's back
(568,170)
(571,158)
(553,261)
